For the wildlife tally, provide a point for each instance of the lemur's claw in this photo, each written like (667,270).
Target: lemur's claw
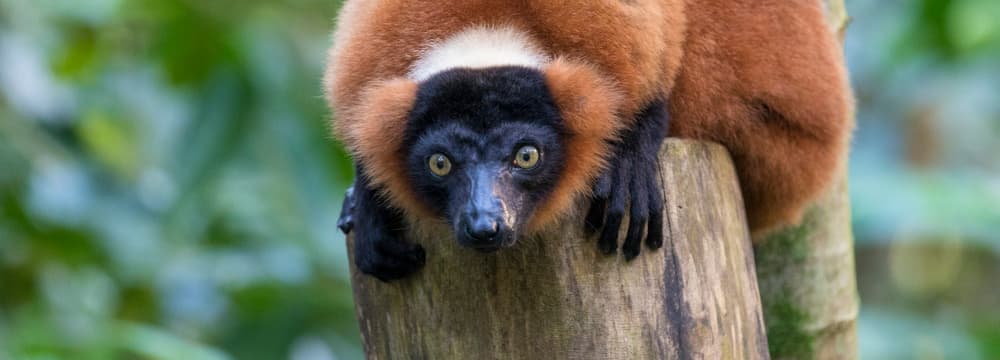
(346,220)
(632,181)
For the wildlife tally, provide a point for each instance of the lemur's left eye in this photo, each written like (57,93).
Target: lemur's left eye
(440,164)
(526,157)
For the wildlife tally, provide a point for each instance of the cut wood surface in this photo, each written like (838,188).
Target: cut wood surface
(556,297)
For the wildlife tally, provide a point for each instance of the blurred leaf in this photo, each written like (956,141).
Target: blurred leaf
(47,241)
(988,335)
(973,25)
(162,345)
(189,45)
(217,101)
(79,55)
(948,30)
(157,344)
(112,142)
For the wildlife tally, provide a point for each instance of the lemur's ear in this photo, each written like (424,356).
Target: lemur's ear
(373,132)
(589,104)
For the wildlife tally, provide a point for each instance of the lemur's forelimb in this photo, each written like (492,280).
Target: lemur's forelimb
(379,247)
(632,180)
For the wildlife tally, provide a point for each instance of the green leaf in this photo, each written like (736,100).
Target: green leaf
(112,142)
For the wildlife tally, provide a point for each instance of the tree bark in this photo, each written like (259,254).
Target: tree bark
(556,296)
(806,272)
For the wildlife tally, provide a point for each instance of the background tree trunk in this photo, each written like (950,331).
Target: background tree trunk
(806,272)
(556,296)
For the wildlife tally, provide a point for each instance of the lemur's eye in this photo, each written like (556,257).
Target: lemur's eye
(440,164)
(526,157)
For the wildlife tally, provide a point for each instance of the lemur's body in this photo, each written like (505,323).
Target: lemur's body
(595,81)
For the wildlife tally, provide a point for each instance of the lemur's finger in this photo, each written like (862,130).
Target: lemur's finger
(400,249)
(596,213)
(599,202)
(654,236)
(387,268)
(654,232)
(618,197)
(638,214)
(595,216)
(392,259)
(608,242)
(372,261)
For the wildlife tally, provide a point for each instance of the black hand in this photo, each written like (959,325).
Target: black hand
(379,248)
(632,180)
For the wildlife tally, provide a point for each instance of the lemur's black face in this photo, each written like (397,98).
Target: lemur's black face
(486,147)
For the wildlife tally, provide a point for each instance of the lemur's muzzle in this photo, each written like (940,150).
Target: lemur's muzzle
(482,224)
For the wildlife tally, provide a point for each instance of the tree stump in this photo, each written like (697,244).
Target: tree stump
(556,296)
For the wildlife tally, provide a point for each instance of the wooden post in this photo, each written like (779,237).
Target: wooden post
(806,272)
(557,297)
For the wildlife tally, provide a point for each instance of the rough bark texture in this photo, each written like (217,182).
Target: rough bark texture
(557,297)
(807,284)
(806,272)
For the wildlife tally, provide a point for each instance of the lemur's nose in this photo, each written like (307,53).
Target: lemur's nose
(481,224)
(483,229)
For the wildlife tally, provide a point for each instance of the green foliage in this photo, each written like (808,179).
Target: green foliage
(951,30)
(169,189)
(923,176)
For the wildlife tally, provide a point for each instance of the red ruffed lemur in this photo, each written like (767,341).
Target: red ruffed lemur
(496,115)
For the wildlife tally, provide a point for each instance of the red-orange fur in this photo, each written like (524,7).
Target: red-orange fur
(377,137)
(581,95)
(765,78)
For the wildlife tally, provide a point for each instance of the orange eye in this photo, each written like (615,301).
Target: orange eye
(526,157)
(440,164)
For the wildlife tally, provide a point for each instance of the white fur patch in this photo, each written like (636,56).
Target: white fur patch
(479,47)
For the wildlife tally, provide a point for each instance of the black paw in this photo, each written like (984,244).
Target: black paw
(387,258)
(379,247)
(633,181)
(346,220)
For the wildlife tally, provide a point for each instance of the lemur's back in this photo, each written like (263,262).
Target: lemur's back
(634,42)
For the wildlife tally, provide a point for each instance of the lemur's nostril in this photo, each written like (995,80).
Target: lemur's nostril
(483,230)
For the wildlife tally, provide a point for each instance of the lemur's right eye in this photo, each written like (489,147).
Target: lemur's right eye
(440,164)
(526,157)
